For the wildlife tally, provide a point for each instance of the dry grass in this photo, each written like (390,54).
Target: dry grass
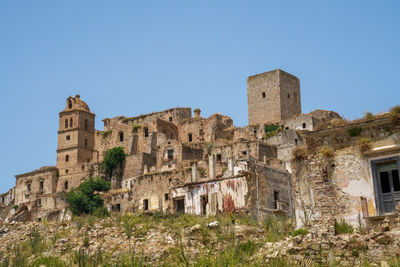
(326,151)
(364,144)
(300,152)
(395,114)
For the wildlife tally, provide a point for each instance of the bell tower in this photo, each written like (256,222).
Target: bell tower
(75,141)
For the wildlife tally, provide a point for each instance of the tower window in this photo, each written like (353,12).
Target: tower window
(170,154)
(66,123)
(69,103)
(28,189)
(66,158)
(86,142)
(304,125)
(70,122)
(145,204)
(170,119)
(288,95)
(41,186)
(146,132)
(166,197)
(66,171)
(276,200)
(86,124)
(121,136)
(67,137)
(263,95)
(190,137)
(66,185)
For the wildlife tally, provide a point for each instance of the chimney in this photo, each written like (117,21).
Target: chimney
(194,172)
(197,112)
(211,166)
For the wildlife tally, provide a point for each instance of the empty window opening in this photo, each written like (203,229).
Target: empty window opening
(86,143)
(71,122)
(244,153)
(66,171)
(66,185)
(145,204)
(166,197)
(170,180)
(296,141)
(203,203)
(39,201)
(2,199)
(66,158)
(219,157)
(172,136)
(68,137)
(276,200)
(190,137)
(146,132)
(179,205)
(28,189)
(66,123)
(121,136)
(287,128)
(263,95)
(170,119)
(69,103)
(170,153)
(86,124)
(118,207)
(288,95)
(41,186)
(39,219)
(304,125)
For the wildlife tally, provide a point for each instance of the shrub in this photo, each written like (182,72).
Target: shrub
(83,200)
(364,143)
(300,152)
(300,231)
(271,130)
(49,261)
(276,228)
(356,131)
(326,151)
(368,115)
(127,224)
(105,134)
(114,157)
(343,228)
(395,114)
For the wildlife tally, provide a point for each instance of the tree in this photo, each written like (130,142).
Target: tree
(115,157)
(83,199)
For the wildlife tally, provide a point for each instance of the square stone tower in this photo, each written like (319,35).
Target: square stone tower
(272,97)
(75,141)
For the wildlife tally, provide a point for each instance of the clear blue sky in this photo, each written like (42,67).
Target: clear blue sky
(134,57)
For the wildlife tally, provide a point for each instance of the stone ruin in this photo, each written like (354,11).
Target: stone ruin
(314,167)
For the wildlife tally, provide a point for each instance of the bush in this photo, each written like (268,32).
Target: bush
(83,200)
(343,228)
(368,115)
(114,157)
(356,131)
(135,128)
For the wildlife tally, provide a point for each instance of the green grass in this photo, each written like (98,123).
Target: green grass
(343,228)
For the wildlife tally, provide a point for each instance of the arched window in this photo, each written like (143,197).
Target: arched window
(66,185)
(70,122)
(263,95)
(146,132)
(86,124)
(41,186)
(66,158)
(66,123)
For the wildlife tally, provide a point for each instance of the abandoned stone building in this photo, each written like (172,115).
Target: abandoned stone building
(313,167)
